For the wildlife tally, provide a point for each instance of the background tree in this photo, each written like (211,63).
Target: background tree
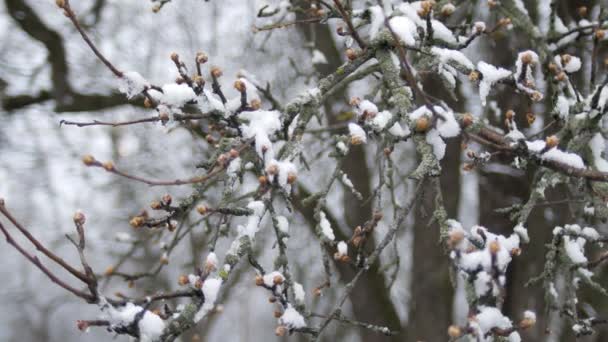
(345,176)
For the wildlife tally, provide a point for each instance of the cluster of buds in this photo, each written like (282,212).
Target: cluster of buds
(225,158)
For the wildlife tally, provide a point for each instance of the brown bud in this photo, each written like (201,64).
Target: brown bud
(537,96)
(552,67)
(60,3)
(183,280)
(88,160)
(167,199)
(510,114)
(468,166)
(494,247)
(455,237)
(202,209)
(131,284)
(272,299)
(277,314)
(277,280)
(196,337)
(291,177)
(316,292)
(163,116)
(600,34)
(354,101)
(216,72)
(259,281)
(377,216)
(255,104)
(198,80)
(344,258)
(201,58)
(422,124)
(233,153)
(350,54)
(108,166)
(447,10)
(198,283)
(551,141)
(467,120)
(387,151)
(356,140)
(281,330)
(137,222)
(164,260)
(454,331)
(175,57)
(515,252)
(527,323)
(492,3)
(530,117)
(156,8)
(474,76)
(272,169)
(582,11)
(504,21)
(240,86)
(527,58)
(82,325)
(109,271)
(566,58)
(263,180)
(357,240)
(148,103)
(210,139)
(171,226)
(156,205)
(79,218)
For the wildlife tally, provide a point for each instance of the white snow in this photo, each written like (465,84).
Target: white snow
(573,65)
(342,248)
(398,131)
(522,232)
(570,159)
(269,278)
(447,125)
(132,83)
(491,75)
(447,55)
(233,167)
(441,32)
(211,288)
(367,107)
(292,319)
(326,227)
(318,57)
(381,119)
(597,144)
(590,233)
(434,139)
(211,260)
(299,293)
(176,94)
(283,224)
(150,325)
(490,317)
(405,29)
(574,249)
(356,132)
(519,64)
(262,123)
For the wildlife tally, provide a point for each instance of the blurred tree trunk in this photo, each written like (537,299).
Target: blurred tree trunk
(370,300)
